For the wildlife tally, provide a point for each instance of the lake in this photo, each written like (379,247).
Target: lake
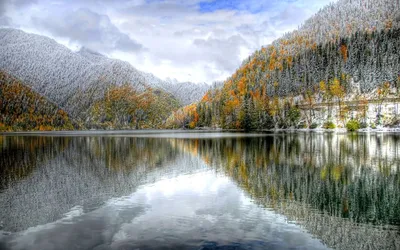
(199,190)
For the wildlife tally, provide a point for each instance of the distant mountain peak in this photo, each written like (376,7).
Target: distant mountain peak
(91,55)
(86,50)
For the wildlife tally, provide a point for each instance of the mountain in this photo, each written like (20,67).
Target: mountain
(185,92)
(348,50)
(74,80)
(23,109)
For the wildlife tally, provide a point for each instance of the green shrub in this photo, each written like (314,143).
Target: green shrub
(267,123)
(329,125)
(352,125)
(363,125)
(313,125)
(301,125)
(294,116)
(372,125)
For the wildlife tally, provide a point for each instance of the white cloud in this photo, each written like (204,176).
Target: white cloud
(89,28)
(181,41)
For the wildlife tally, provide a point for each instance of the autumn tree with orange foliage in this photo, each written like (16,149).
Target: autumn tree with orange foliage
(22,109)
(328,55)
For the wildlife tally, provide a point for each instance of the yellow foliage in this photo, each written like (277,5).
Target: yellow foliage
(384,90)
(45,128)
(388,24)
(242,86)
(336,89)
(3,127)
(24,109)
(206,97)
(337,172)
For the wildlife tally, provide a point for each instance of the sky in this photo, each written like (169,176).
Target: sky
(187,40)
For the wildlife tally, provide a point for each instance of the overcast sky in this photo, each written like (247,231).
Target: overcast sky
(190,40)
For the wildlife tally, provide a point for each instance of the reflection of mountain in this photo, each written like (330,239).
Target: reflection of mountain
(333,193)
(20,156)
(347,196)
(88,172)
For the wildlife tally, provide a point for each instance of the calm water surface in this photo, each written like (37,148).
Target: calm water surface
(178,190)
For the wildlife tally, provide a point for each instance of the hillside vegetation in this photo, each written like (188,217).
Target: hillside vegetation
(23,109)
(76,80)
(323,74)
(123,107)
(349,47)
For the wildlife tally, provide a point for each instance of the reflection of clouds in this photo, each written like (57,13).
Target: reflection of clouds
(76,230)
(206,207)
(182,202)
(198,209)
(86,171)
(199,183)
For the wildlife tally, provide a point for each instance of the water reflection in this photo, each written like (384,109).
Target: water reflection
(347,194)
(19,155)
(88,172)
(201,192)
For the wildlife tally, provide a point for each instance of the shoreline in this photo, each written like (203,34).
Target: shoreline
(200,130)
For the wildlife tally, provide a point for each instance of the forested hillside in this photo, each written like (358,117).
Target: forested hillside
(22,109)
(349,47)
(76,80)
(123,107)
(347,52)
(96,91)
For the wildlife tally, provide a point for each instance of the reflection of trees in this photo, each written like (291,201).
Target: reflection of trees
(72,171)
(19,156)
(322,187)
(122,153)
(333,185)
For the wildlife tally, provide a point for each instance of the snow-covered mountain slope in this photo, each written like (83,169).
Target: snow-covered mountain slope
(186,92)
(62,75)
